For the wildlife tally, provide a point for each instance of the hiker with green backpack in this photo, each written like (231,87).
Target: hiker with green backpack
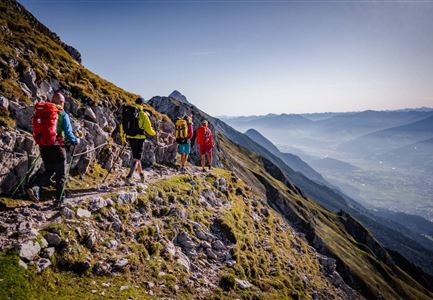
(184,134)
(51,126)
(134,126)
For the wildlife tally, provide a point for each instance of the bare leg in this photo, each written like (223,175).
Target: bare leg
(202,161)
(209,159)
(183,159)
(139,167)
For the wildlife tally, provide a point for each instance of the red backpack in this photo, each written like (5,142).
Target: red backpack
(45,123)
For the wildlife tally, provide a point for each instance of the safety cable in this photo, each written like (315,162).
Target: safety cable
(91,150)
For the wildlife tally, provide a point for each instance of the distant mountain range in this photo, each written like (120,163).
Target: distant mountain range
(393,138)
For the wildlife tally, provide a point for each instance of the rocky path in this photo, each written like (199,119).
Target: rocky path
(202,251)
(27,218)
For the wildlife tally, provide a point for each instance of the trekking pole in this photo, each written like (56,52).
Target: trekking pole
(26,175)
(67,172)
(114,163)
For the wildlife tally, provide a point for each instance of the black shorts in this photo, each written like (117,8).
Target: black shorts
(136,147)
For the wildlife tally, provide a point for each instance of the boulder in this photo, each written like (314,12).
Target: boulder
(185,241)
(97,203)
(210,254)
(42,264)
(22,264)
(53,239)
(67,213)
(4,103)
(22,115)
(29,78)
(90,114)
(90,240)
(28,250)
(121,264)
(126,197)
(243,284)
(170,248)
(117,226)
(218,245)
(102,269)
(183,260)
(83,213)
(48,252)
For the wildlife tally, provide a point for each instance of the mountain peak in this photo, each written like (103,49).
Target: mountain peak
(178,96)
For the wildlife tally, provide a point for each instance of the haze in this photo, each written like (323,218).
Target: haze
(255,57)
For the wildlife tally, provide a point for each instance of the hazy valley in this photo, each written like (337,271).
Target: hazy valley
(382,159)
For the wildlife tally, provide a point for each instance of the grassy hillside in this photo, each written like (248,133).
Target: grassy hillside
(25,48)
(365,262)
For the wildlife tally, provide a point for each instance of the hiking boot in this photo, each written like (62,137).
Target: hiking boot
(142,177)
(33,193)
(59,204)
(129,181)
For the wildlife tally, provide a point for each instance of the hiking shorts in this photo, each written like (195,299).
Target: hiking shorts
(205,149)
(136,147)
(184,148)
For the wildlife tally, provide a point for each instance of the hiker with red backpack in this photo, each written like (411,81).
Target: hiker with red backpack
(205,143)
(51,125)
(133,128)
(184,134)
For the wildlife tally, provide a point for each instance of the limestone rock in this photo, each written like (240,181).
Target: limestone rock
(102,269)
(243,284)
(90,240)
(67,213)
(4,103)
(126,197)
(53,239)
(28,250)
(83,213)
(218,245)
(42,264)
(97,203)
(22,264)
(48,252)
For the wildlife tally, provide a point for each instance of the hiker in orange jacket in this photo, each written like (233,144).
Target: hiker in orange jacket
(205,142)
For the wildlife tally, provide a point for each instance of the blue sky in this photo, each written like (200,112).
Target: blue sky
(256,57)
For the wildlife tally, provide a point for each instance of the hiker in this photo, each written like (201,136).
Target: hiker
(183,138)
(51,125)
(133,128)
(205,143)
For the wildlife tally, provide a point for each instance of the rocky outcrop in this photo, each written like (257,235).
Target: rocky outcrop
(95,125)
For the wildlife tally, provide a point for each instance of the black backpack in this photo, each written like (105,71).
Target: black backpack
(130,121)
